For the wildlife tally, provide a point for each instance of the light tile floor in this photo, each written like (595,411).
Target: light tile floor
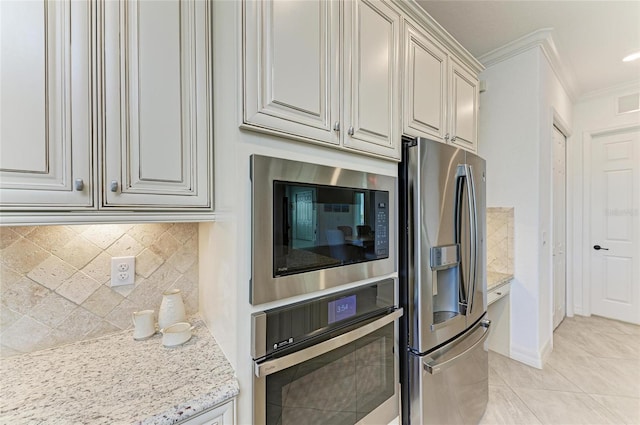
(591,377)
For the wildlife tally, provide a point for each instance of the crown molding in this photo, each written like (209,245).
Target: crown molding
(540,38)
(629,86)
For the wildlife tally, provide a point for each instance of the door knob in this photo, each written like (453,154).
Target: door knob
(598,248)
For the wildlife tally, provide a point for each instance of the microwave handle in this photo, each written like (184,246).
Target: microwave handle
(275,365)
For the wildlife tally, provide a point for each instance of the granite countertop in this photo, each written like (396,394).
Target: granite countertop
(117,380)
(497,279)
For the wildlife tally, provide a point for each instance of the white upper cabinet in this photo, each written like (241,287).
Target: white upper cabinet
(292,67)
(464,107)
(106,105)
(372,77)
(296,56)
(425,84)
(157,103)
(440,92)
(45,109)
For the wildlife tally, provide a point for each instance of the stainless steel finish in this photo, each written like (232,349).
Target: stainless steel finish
(446,137)
(264,287)
(259,333)
(454,138)
(444,257)
(457,392)
(78,184)
(436,366)
(336,126)
(113,186)
(351,132)
(272,366)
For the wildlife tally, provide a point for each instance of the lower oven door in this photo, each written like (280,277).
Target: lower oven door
(349,379)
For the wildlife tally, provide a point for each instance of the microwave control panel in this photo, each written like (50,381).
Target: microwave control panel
(382,224)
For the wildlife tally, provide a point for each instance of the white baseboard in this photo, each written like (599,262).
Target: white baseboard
(526,356)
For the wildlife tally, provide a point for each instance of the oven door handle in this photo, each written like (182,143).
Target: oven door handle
(272,366)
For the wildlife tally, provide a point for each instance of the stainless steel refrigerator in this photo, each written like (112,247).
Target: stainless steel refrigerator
(444,372)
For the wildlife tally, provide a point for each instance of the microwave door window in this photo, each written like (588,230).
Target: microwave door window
(317,227)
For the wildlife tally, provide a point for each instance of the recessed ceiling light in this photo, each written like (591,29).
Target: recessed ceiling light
(631,57)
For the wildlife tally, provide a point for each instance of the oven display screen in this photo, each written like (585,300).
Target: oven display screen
(342,308)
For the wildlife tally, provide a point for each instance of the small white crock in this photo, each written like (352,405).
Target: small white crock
(176,334)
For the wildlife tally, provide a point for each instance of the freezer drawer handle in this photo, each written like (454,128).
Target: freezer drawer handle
(434,367)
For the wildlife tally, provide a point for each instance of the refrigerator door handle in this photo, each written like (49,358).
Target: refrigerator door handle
(473,228)
(435,367)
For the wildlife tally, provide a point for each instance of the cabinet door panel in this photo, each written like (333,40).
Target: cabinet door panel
(425,85)
(45,136)
(372,80)
(464,107)
(291,67)
(157,103)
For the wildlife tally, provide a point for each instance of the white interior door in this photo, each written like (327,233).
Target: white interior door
(559,228)
(615,226)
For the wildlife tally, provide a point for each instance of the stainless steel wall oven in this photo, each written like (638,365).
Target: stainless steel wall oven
(328,360)
(316,227)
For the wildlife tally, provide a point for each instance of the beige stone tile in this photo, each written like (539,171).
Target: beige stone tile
(558,407)
(24,335)
(147,262)
(103,328)
(8,352)
(78,252)
(79,323)
(617,377)
(103,235)
(184,231)
(506,408)
(185,256)
(23,255)
(164,277)
(7,277)
(7,237)
(52,310)
(23,295)
(494,378)
(599,344)
(52,272)
(189,290)
(49,237)
(121,315)
(147,296)
(165,246)
(78,288)
(126,290)
(627,409)
(7,316)
(102,301)
(23,230)
(147,234)
(99,268)
(519,375)
(125,246)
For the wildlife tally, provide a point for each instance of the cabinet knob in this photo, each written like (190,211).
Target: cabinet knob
(351,131)
(453,139)
(446,137)
(113,186)
(78,184)
(336,126)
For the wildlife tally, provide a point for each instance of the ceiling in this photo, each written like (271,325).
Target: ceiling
(591,37)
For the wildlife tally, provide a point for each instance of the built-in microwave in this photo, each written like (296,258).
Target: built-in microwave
(316,227)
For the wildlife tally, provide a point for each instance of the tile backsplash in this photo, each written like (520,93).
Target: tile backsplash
(54,280)
(500,247)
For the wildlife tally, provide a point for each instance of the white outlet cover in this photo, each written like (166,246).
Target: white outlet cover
(123,270)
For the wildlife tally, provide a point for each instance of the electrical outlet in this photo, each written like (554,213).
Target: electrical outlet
(123,270)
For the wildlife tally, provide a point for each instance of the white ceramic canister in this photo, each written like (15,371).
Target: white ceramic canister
(171,309)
